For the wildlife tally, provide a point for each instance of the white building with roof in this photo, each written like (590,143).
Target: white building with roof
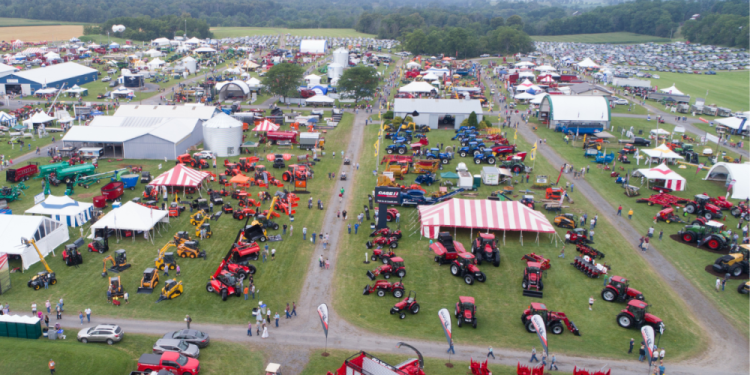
(432,111)
(575,110)
(54,76)
(313,46)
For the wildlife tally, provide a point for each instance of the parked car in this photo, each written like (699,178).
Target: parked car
(485,55)
(106,79)
(656,76)
(619,101)
(179,346)
(109,333)
(191,336)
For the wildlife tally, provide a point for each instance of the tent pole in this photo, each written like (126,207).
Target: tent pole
(521,238)
(503,237)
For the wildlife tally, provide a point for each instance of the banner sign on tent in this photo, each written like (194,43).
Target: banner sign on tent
(445,320)
(323,313)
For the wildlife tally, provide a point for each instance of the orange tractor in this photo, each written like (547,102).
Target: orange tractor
(188,159)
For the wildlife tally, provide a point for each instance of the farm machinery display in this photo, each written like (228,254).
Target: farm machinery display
(119,262)
(702,206)
(386,232)
(381,287)
(484,248)
(365,363)
(394,267)
(668,215)
(532,283)
(37,281)
(568,221)
(71,255)
(556,322)
(663,199)
(224,282)
(466,311)
(735,263)
(407,304)
(383,241)
(589,266)
(149,280)
(171,290)
(578,235)
(636,315)
(10,194)
(710,234)
(462,263)
(589,251)
(619,290)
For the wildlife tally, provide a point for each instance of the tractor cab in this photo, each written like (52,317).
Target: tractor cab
(99,245)
(227,278)
(445,239)
(116,286)
(206,227)
(181,237)
(638,309)
(702,198)
(120,257)
(466,259)
(619,283)
(467,305)
(396,263)
(528,200)
(713,226)
(486,239)
(200,204)
(540,309)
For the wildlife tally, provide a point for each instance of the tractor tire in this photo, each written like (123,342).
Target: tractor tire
(398,293)
(477,153)
(479,259)
(430,157)
(454,270)
(389,151)
(444,161)
(474,323)
(183,255)
(394,244)
(401,151)
(192,255)
(381,293)
(275,227)
(491,160)
(224,294)
(496,262)
(690,208)
(373,258)
(741,289)
(482,277)
(736,270)
(524,284)
(625,320)
(556,328)
(469,279)
(463,154)
(460,322)
(708,215)
(386,260)
(53,282)
(261,239)
(609,295)
(401,273)
(713,244)
(516,169)
(402,316)
(387,276)
(392,311)
(688,237)
(735,211)
(251,269)
(541,285)
(209,288)
(414,308)
(530,327)
(368,244)
(477,161)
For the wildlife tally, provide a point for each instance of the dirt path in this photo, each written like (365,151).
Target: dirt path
(727,349)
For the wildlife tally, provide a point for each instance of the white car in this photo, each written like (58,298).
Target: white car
(106,79)
(485,55)
(205,154)
(655,76)
(619,101)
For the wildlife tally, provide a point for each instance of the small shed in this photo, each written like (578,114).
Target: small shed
(308,140)
(465,180)
(490,175)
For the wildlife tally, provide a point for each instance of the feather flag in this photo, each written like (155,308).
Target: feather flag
(533,151)
(377,147)
(541,330)
(323,313)
(648,338)
(445,320)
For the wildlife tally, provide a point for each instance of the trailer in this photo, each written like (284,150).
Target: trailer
(465,180)
(71,173)
(22,173)
(113,190)
(490,175)
(288,136)
(308,141)
(46,170)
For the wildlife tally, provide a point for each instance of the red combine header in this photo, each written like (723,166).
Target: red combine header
(365,363)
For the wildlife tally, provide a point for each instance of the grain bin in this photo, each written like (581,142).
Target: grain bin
(341,56)
(222,134)
(190,64)
(335,70)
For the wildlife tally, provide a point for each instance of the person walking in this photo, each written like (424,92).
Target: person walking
(276,317)
(80,316)
(252,290)
(356,227)
(88,315)
(591,303)
(630,214)
(250,329)
(349,228)
(320,261)
(619,210)
(246,291)
(177,270)
(33,308)
(304,234)
(273,254)
(661,354)
(48,305)
(46,321)
(490,353)
(265,332)
(552,363)
(533,355)
(286,312)
(328,264)
(661,234)
(632,342)
(544,360)
(188,319)
(642,353)
(294,309)
(51,366)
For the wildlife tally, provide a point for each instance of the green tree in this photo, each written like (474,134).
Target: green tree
(416,41)
(359,82)
(283,79)
(515,22)
(497,22)
(473,119)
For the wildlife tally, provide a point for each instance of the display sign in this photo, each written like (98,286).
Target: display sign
(39,198)
(387,195)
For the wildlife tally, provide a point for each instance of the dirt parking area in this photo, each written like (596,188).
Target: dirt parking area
(41,33)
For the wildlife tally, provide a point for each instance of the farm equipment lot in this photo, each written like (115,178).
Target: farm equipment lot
(499,299)
(292,256)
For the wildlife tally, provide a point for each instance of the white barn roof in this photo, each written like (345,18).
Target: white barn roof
(168,111)
(454,106)
(313,46)
(578,108)
(57,72)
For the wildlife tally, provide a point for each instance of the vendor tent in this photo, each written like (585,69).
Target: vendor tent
(64,209)
(587,63)
(523,96)
(47,233)
(430,77)
(320,99)
(418,87)
(239,179)
(482,214)
(266,126)
(672,90)
(413,65)
(131,216)
(672,180)
(736,176)
(662,152)
(38,118)
(180,176)
(76,90)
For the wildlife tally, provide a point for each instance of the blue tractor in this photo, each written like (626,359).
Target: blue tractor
(606,159)
(397,148)
(463,134)
(434,153)
(485,157)
(466,128)
(427,178)
(466,140)
(473,148)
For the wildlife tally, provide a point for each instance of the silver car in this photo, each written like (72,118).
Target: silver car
(179,346)
(109,333)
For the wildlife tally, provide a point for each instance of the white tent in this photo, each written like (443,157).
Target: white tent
(672,179)
(253,82)
(38,118)
(430,77)
(46,91)
(204,50)
(413,65)
(672,90)
(64,209)
(193,41)
(545,68)
(538,98)
(5,118)
(662,152)
(76,90)
(523,96)
(525,63)
(47,233)
(132,216)
(734,123)
(160,42)
(153,53)
(155,63)
(418,87)
(320,99)
(738,175)
(587,63)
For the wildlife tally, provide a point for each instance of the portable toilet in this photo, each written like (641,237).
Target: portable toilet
(3,326)
(12,329)
(33,327)
(477,182)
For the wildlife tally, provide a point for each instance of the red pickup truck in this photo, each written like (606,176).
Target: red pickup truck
(170,361)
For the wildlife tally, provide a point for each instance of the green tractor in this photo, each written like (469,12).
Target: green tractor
(9,194)
(710,234)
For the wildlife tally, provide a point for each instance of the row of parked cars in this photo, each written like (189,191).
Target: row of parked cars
(175,353)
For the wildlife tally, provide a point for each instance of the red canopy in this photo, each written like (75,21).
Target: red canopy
(266,126)
(482,214)
(180,175)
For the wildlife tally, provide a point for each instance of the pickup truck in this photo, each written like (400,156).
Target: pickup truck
(170,361)
(637,141)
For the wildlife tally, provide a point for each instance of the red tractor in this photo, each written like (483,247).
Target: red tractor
(618,290)
(391,242)
(532,279)
(386,232)
(296,172)
(702,206)
(383,255)
(243,213)
(534,257)
(465,265)
(395,266)
(408,304)
(721,202)
(636,315)
(587,250)
(667,215)
(151,193)
(188,159)
(381,287)
(578,235)
(485,249)
(227,208)
(552,319)
(224,282)
(466,311)
(241,252)
(390,214)
(741,210)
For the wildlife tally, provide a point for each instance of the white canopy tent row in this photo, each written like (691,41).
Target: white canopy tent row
(418,87)
(320,99)
(64,209)
(134,217)
(662,153)
(672,90)
(47,233)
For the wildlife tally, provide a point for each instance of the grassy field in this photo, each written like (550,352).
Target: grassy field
(42,32)
(81,285)
(499,299)
(229,32)
(614,38)
(13,22)
(72,357)
(689,260)
(725,89)
(13,151)
(320,365)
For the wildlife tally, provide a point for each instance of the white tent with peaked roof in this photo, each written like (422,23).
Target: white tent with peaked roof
(672,90)
(47,233)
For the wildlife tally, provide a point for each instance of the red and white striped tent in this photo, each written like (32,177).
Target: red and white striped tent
(672,179)
(483,215)
(181,176)
(266,126)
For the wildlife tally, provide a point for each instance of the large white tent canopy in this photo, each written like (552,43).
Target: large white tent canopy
(588,63)
(131,216)
(64,209)
(672,90)
(662,152)
(672,179)
(418,87)
(320,99)
(47,233)
(738,175)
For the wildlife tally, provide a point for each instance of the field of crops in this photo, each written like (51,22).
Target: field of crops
(39,33)
(615,38)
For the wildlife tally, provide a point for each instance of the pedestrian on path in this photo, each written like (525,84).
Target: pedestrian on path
(630,214)
(490,353)
(286,312)
(313,238)
(188,319)
(552,363)
(533,355)
(619,210)
(304,234)
(641,353)
(250,329)
(632,342)
(88,314)
(276,317)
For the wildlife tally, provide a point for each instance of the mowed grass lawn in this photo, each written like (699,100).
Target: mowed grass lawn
(23,356)
(320,365)
(689,260)
(499,300)
(229,32)
(725,89)
(279,281)
(614,38)
(12,151)
(10,22)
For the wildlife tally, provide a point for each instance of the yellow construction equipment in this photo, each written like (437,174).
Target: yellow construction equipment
(116,287)
(149,281)
(119,262)
(165,259)
(386,181)
(198,217)
(172,289)
(37,281)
